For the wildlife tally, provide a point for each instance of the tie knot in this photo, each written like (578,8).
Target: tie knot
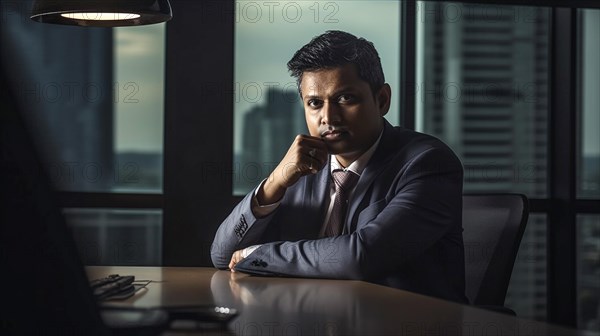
(344,179)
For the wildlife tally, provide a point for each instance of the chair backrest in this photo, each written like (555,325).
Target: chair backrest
(493,227)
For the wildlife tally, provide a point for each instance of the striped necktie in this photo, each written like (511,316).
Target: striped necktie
(344,180)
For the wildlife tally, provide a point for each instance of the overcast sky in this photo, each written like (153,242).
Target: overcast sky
(139,88)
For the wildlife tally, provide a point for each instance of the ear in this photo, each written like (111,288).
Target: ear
(383,99)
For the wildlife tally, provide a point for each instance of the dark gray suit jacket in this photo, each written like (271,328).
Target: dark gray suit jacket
(403,228)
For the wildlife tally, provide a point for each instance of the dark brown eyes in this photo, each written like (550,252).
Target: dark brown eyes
(342,99)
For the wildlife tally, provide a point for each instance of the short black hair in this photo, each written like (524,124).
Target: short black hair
(336,48)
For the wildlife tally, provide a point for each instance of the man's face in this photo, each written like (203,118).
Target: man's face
(340,108)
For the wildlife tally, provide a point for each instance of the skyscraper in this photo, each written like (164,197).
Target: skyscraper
(484,91)
(67,94)
(269,130)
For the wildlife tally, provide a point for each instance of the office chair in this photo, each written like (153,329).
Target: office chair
(493,227)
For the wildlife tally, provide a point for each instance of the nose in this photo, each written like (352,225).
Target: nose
(330,114)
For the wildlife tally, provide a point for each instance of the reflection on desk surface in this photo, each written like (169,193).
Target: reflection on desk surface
(292,306)
(283,306)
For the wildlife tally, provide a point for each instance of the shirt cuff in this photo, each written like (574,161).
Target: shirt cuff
(248,250)
(259,210)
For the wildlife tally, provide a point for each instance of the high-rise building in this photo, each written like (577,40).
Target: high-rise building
(269,130)
(67,95)
(483,89)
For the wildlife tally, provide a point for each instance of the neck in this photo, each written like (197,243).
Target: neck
(346,159)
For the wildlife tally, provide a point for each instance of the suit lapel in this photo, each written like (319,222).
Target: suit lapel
(376,164)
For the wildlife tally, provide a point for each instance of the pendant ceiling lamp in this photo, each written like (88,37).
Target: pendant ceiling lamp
(102,13)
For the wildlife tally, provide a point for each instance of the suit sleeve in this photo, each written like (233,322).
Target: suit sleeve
(423,204)
(239,230)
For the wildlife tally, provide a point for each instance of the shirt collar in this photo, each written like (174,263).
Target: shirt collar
(359,164)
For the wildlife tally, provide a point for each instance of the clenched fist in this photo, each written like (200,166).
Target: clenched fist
(307,155)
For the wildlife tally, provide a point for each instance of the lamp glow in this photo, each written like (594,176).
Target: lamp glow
(102,13)
(100,16)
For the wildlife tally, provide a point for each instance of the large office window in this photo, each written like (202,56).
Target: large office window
(268,112)
(94,100)
(482,87)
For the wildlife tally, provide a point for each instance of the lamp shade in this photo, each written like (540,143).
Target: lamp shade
(101,13)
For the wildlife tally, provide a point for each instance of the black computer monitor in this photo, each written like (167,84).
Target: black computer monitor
(44,288)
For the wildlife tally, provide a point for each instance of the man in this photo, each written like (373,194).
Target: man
(357,198)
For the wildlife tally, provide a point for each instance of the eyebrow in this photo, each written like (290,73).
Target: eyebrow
(336,93)
(311,97)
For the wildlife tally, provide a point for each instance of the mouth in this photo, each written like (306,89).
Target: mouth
(333,134)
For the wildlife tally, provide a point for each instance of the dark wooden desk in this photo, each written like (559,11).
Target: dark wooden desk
(285,306)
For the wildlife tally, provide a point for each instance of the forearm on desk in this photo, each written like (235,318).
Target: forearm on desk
(239,230)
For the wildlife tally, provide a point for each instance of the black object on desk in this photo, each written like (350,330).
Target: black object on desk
(113,286)
(48,291)
(145,321)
